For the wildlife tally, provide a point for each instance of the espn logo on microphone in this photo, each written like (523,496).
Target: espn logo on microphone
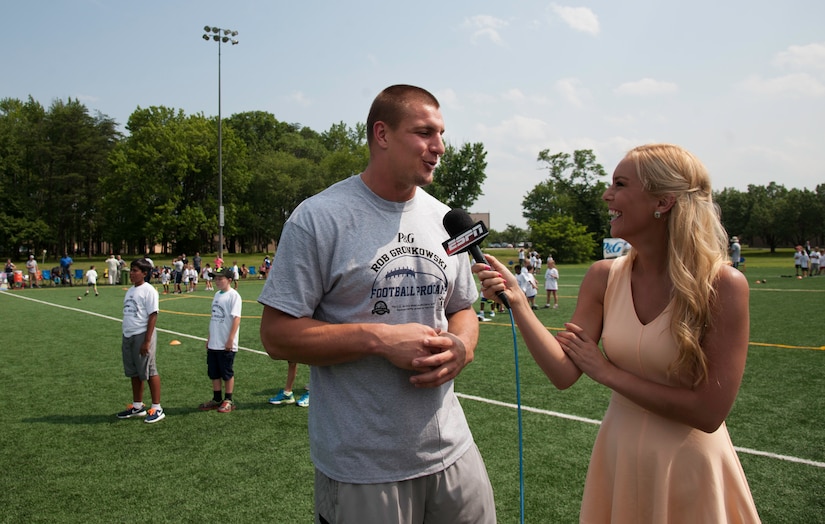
(466,239)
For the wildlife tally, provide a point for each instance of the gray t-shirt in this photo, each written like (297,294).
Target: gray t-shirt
(348,256)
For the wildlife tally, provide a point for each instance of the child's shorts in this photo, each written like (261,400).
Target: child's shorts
(220,364)
(135,364)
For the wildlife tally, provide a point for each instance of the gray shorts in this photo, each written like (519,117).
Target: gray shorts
(459,494)
(135,364)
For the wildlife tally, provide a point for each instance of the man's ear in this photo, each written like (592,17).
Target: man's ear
(379,130)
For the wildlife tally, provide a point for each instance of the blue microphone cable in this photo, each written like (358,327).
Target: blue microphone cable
(520,431)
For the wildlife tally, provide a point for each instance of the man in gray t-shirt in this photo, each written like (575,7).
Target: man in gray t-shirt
(385,318)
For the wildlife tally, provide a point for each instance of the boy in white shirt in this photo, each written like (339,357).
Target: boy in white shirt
(140,313)
(222,344)
(91,280)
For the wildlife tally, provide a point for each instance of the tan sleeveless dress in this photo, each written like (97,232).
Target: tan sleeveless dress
(646,468)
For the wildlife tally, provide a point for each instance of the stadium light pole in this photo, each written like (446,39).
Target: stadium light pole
(220,36)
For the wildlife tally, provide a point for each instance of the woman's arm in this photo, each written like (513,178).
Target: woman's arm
(725,344)
(544,348)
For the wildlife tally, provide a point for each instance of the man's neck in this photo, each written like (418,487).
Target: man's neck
(385,187)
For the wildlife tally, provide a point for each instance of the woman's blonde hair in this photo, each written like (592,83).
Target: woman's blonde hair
(697,245)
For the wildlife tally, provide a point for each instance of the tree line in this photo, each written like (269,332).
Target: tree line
(567,218)
(71,182)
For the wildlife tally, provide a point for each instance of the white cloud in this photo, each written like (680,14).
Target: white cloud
(796,84)
(620,120)
(481,99)
(570,91)
(513,95)
(300,98)
(618,146)
(811,56)
(488,33)
(646,86)
(579,18)
(448,98)
(486,27)
(521,99)
(517,135)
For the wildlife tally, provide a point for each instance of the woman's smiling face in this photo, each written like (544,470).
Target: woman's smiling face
(629,205)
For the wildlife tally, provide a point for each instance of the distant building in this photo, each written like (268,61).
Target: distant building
(484,217)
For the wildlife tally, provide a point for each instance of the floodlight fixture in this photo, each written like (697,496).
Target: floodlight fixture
(216,36)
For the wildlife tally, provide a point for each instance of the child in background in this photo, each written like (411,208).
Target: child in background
(185,278)
(286,396)
(222,344)
(206,278)
(534,286)
(91,280)
(551,283)
(481,315)
(237,272)
(193,278)
(165,278)
(814,257)
(527,283)
(140,313)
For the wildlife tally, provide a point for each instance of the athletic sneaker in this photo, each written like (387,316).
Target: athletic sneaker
(227,406)
(132,411)
(206,406)
(154,415)
(303,402)
(283,398)
(482,318)
(492,314)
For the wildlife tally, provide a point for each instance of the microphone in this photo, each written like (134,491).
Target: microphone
(466,236)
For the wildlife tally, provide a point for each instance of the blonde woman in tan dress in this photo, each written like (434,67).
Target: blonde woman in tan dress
(673,320)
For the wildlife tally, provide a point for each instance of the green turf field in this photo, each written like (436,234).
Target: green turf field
(66,458)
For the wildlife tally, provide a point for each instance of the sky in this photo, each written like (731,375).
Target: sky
(741,84)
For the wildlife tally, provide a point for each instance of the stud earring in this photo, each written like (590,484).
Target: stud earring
(657,214)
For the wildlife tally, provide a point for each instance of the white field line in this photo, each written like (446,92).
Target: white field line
(598,422)
(176,333)
(749,451)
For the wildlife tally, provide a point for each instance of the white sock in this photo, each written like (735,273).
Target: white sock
(156,406)
(137,405)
